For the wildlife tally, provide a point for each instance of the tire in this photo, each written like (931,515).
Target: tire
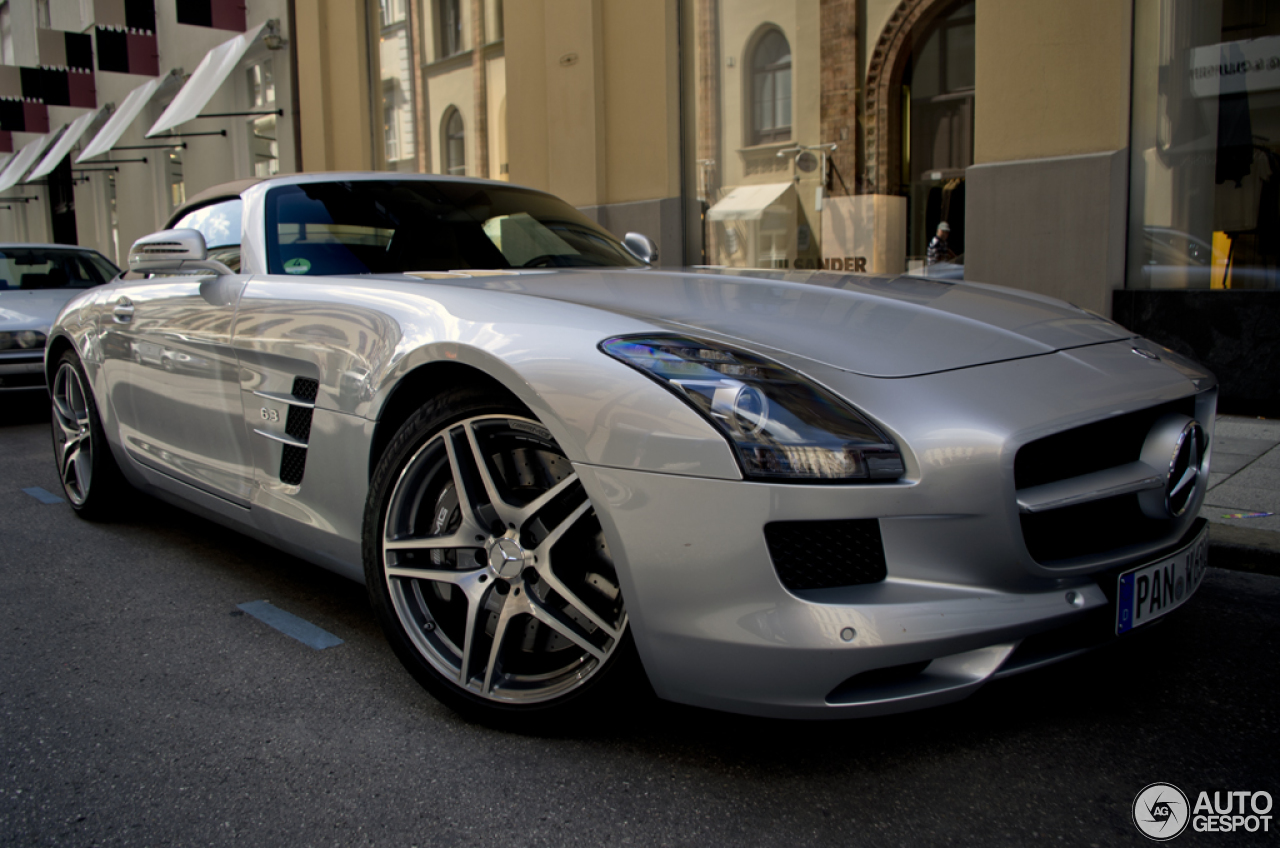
(488,571)
(90,478)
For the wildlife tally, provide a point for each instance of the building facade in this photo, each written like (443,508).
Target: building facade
(102,77)
(1118,154)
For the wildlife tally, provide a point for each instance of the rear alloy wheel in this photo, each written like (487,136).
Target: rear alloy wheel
(90,478)
(487,564)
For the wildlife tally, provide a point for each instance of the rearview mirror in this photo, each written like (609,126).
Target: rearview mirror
(641,247)
(173,252)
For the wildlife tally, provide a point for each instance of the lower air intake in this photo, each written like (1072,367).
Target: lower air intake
(826,554)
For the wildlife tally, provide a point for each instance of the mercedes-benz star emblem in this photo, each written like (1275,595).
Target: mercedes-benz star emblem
(1175,448)
(506,557)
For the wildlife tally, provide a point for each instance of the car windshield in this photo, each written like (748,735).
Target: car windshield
(386,227)
(50,268)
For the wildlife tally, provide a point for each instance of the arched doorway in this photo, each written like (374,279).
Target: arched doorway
(920,107)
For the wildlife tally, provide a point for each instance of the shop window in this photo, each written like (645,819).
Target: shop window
(449,27)
(1205,167)
(454,143)
(771,89)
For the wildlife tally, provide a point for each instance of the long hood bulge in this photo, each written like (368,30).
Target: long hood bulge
(874,326)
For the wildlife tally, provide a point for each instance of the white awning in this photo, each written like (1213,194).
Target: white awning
(23,161)
(747,203)
(63,147)
(120,121)
(213,71)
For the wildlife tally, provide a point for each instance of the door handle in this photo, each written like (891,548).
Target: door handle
(123,311)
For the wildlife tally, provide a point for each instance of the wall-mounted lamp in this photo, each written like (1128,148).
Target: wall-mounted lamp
(272,37)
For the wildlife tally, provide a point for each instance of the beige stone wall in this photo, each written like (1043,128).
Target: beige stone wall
(592,113)
(1052,78)
(496,74)
(1046,199)
(333,85)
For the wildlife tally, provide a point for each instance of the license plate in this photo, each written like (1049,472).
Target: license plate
(1150,591)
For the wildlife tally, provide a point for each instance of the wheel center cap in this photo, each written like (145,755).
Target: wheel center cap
(506,557)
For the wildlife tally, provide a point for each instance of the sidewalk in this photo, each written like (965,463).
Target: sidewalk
(1244,477)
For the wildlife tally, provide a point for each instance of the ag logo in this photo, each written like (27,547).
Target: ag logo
(1161,811)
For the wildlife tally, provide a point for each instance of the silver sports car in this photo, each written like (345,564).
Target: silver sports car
(36,281)
(561,471)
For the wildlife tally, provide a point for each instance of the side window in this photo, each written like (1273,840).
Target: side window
(219,223)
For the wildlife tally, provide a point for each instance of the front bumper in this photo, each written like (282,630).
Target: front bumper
(21,370)
(716,628)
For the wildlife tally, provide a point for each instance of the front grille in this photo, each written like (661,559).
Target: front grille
(1093,447)
(1065,536)
(1090,529)
(826,554)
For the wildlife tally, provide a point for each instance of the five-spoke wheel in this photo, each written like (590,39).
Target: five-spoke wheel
(487,562)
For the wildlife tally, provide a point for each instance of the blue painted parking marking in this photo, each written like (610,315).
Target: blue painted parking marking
(43,496)
(290,625)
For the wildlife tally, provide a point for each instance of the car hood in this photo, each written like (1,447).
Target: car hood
(32,310)
(875,326)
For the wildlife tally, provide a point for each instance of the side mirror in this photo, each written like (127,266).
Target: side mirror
(173,252)
(641,247)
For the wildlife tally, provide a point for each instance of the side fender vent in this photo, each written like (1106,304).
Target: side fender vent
(293,459)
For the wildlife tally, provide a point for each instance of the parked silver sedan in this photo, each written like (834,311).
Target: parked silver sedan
(36,280)
(561,471)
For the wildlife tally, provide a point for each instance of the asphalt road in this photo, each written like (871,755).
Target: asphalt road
(139,706)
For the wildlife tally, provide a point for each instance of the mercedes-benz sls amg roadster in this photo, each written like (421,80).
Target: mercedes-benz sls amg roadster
(560,469)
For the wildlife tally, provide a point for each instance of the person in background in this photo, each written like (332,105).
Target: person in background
(939,250)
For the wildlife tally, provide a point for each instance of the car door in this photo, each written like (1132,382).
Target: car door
(173,379)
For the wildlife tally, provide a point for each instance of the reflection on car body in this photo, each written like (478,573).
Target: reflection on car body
(559,469)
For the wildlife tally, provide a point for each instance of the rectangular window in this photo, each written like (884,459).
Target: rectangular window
(395,92)
(449,23)
(174,179)
(6,36)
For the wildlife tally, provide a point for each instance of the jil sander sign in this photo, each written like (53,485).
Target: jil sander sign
(1235,66)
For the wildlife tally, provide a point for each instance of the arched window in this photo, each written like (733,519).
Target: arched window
(454,143)
(771,89)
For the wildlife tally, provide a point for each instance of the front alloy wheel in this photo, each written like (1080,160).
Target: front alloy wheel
(491,564)
(88,472)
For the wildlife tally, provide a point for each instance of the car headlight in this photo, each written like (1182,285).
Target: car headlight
(781,424)
(22,340)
